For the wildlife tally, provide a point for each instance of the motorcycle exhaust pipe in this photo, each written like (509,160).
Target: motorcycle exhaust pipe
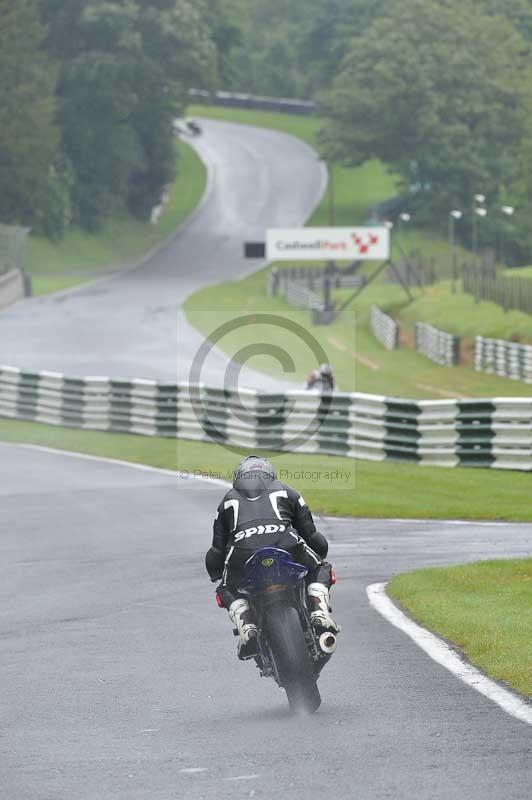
(328,642)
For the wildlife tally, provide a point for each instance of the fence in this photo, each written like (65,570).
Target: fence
(412,273)
(384,328)
(300,296)
(507,359)
(438,345)
(510,293)
(310,288)
(235,100)
(487,433)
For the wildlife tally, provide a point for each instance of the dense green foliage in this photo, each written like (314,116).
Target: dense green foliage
(441,91)
(437,91)
(29,139)
(125,67)
(89,91)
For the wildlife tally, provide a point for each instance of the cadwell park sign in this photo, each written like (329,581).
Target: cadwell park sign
(350,244)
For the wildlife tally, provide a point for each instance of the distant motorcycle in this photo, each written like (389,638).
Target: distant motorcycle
(193,127)
(289,649)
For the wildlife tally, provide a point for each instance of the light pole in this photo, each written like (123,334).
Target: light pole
(477,198)
(453,216)
(478,212)
(508,211)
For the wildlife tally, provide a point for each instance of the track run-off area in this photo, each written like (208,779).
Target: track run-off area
(119,673)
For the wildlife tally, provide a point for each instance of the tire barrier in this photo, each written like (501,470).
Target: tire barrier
(384,328)
(507,359)
(438,345)
(448,433)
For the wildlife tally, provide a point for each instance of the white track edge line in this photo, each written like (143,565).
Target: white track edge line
(444,655)
(119,462)
(226,484)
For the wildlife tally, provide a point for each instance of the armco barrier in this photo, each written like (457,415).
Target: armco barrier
(507,359)
(384,328)
(485,433)
(238,100)
(11,287)
(438,345)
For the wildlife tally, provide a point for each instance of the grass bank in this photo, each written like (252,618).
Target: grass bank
(460,314)
(81,256)
(331,485)
(482,609)
(360,362)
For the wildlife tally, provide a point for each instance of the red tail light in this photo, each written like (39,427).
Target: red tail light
(333,577)
(219,602)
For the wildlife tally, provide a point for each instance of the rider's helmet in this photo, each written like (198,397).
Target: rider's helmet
(326,371)
(253,476)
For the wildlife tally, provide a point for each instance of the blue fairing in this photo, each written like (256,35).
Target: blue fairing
(269,566)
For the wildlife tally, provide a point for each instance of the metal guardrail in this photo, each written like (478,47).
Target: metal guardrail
(438,345)
(284,105)
(488,433)
(507,359)
(384,328)
(300,296)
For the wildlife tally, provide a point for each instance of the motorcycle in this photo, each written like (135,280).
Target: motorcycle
(289,649)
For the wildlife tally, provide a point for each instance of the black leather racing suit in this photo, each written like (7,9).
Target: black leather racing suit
(277,517)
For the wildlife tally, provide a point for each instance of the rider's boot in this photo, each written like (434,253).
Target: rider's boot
(320,609)
(240,614)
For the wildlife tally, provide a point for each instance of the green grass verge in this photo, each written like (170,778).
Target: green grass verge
(482,609)
(460,314)
(81,256)
(360,362)
(370,490)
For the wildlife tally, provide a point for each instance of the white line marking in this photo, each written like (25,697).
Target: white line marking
(132,464)
(440,652)
(227,485)
(243,778)
(193,770)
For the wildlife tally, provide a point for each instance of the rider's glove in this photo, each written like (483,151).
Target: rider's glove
(214,563)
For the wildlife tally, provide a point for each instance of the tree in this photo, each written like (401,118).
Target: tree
(125,68)
(436,92)
(28,136)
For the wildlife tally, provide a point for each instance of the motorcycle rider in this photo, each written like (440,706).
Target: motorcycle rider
(321,378)
(261,511)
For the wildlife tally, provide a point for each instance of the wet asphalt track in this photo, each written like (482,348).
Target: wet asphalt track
(130,325)
(119,678)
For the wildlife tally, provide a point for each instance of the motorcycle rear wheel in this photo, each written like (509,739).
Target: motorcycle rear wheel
(293,661)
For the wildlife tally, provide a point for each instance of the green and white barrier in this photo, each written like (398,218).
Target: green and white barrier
(485,433)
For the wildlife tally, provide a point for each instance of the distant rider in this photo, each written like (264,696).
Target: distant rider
(260,511)
(321,379)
